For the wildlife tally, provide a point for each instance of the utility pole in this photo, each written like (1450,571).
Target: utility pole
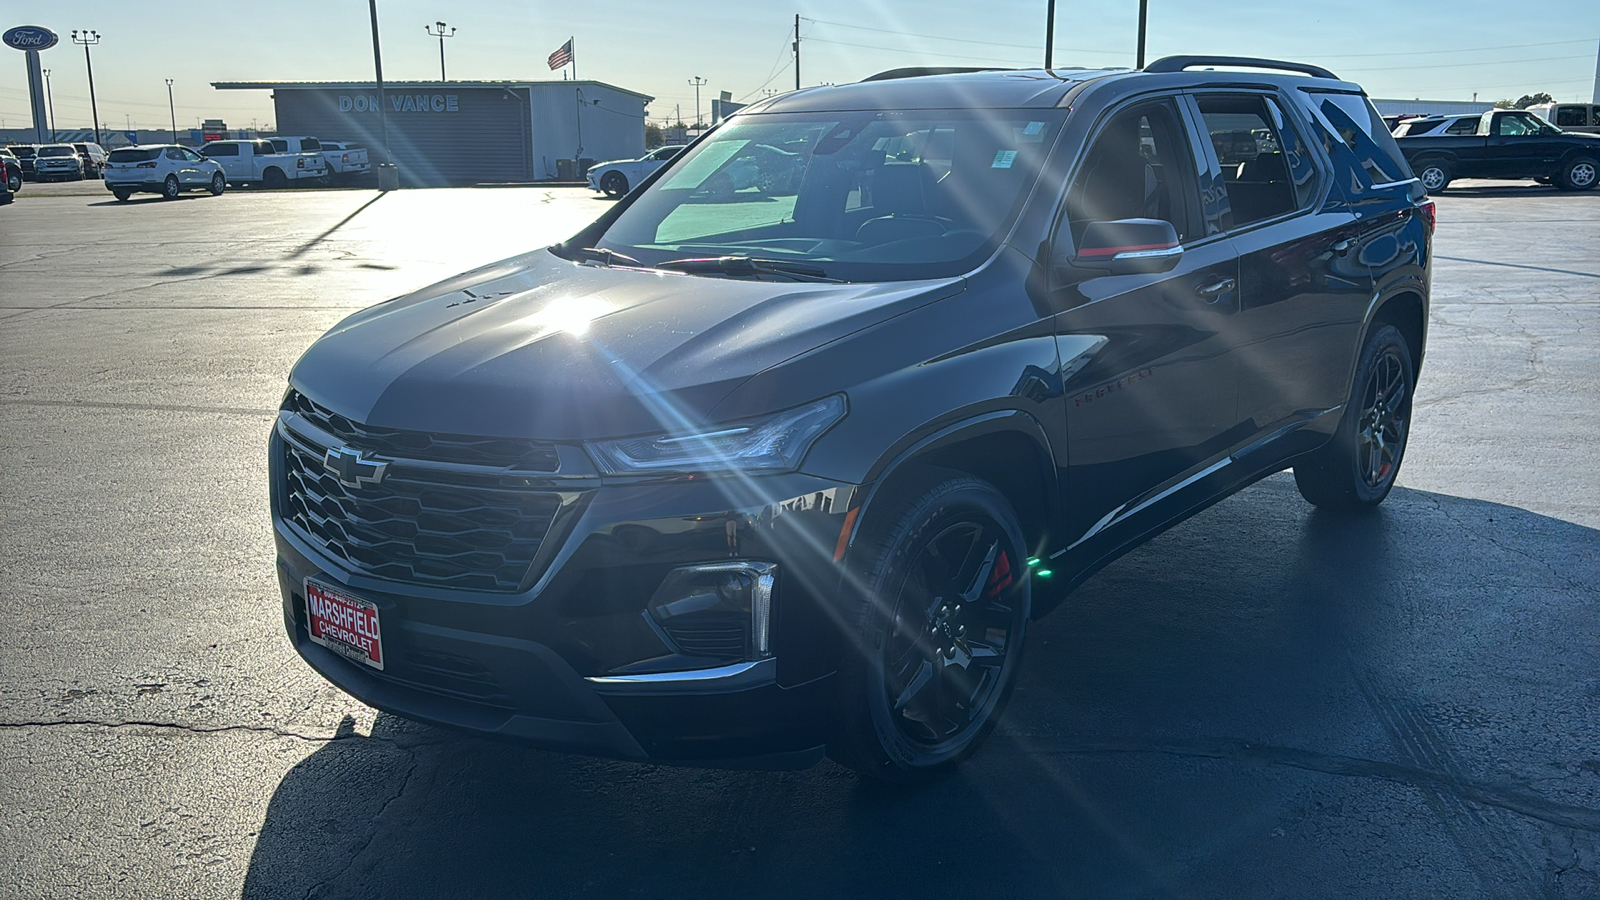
(797,50)
(697,81)
(577,157)
(90,38)
(173,111)
(440,34)
(1050,33)
(1144,9)
(52,101)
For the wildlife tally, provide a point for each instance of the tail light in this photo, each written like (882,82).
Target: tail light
(345,158)
(299,164)
(146,165)
(1430,214)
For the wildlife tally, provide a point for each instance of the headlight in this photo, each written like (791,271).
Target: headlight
(774,443)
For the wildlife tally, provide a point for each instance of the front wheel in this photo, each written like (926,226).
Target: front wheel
(1356,469)
(170,188)
(218,185)
(614,184)
(1578,174)
(1434,174)
(14,183)
(935,635)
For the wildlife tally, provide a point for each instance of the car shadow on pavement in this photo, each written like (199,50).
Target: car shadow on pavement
(1267,700)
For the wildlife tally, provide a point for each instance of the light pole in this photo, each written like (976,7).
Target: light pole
(441,35)
(1144,8)
(172,110)
(90,38)
(1049,34)
(697,81)
(52,101)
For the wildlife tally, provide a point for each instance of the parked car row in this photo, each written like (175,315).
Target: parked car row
(1506,143)
(46,162)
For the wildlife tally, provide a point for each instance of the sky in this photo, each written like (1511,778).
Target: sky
(1418,49)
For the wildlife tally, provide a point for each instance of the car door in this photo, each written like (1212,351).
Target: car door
(173,163)
(1148,373)
(1303,287)
(1520,146)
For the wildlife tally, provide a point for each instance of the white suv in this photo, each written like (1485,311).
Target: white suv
(165,169)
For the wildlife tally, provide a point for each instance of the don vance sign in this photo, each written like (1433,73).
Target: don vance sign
(402,103)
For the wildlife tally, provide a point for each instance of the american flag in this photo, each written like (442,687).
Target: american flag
(562,56)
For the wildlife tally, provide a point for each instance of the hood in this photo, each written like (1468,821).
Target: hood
(540,347)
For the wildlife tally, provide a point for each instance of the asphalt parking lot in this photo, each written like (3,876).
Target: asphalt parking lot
(1266,701)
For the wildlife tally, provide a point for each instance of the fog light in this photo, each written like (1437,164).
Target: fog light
(720,610)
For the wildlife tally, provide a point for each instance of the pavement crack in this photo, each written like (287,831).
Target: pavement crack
(180,726)
(372,834)
(1507,797)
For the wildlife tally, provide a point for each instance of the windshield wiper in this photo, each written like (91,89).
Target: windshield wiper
(606,257)
(750,265)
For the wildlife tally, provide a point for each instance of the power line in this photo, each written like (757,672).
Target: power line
(936,37)
(1508,62)
(936,53)
(1461,50)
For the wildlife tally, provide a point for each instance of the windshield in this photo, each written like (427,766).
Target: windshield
(866,196)
(22,152)
(57,151)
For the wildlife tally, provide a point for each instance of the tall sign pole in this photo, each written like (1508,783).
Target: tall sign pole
(377,66)
(1049,34)
(797,51)
(1144,8)
(31,39)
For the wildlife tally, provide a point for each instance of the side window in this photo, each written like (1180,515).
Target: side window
(220,150)
(174,153)
(1347,122)
(1519,124)
(1139,167)
(1570,116)
(1467,125)
(1265,166)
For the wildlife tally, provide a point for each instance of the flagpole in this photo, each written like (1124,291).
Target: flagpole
(574,42)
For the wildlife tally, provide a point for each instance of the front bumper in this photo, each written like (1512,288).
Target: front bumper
(573,663)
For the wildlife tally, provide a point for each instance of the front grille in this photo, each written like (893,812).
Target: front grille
(517,454)
(420,525)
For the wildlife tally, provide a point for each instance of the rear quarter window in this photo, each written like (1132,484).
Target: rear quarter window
(1571,116)
(1350,124)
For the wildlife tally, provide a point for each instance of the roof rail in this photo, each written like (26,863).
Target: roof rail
(919,71)
(1179,63)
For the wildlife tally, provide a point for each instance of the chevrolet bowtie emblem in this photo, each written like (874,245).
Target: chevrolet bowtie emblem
(351,468)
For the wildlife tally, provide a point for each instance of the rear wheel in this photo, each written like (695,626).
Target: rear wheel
(615,184)
(170,188)
(1578,174)
(274,178)
(218,185)
(13,182)
(121,194)
(1357,468)
(1434,174)
(936,632)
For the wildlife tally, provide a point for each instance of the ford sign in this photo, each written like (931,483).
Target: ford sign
(30,37)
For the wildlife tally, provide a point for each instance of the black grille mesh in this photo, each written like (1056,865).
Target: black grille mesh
(473,532)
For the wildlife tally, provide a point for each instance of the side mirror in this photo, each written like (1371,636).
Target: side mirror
(1129,246)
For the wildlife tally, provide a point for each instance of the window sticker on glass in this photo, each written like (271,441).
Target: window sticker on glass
(1033,128)
(703,165)
(1003,159)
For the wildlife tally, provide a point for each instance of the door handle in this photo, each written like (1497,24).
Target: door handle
(1212,291)
(1344,246)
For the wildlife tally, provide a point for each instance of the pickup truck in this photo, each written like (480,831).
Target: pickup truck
(259,162)
(346,159)
(1509,143)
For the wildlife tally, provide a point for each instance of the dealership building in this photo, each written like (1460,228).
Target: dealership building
(468,132)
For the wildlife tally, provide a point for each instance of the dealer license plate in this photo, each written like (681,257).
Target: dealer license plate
(344,623)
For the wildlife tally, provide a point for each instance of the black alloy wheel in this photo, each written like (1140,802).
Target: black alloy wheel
(13,183)
(218,185)
(1356,469)
(614,184)
(940,624)
(170,188)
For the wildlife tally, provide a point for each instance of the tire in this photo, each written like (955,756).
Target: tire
(218,185)
(1434,174)
(274,178)
(122,194)
(14,183)
(932,651)
(1578,174)
(1357,468)
(170,189)
(614,184)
